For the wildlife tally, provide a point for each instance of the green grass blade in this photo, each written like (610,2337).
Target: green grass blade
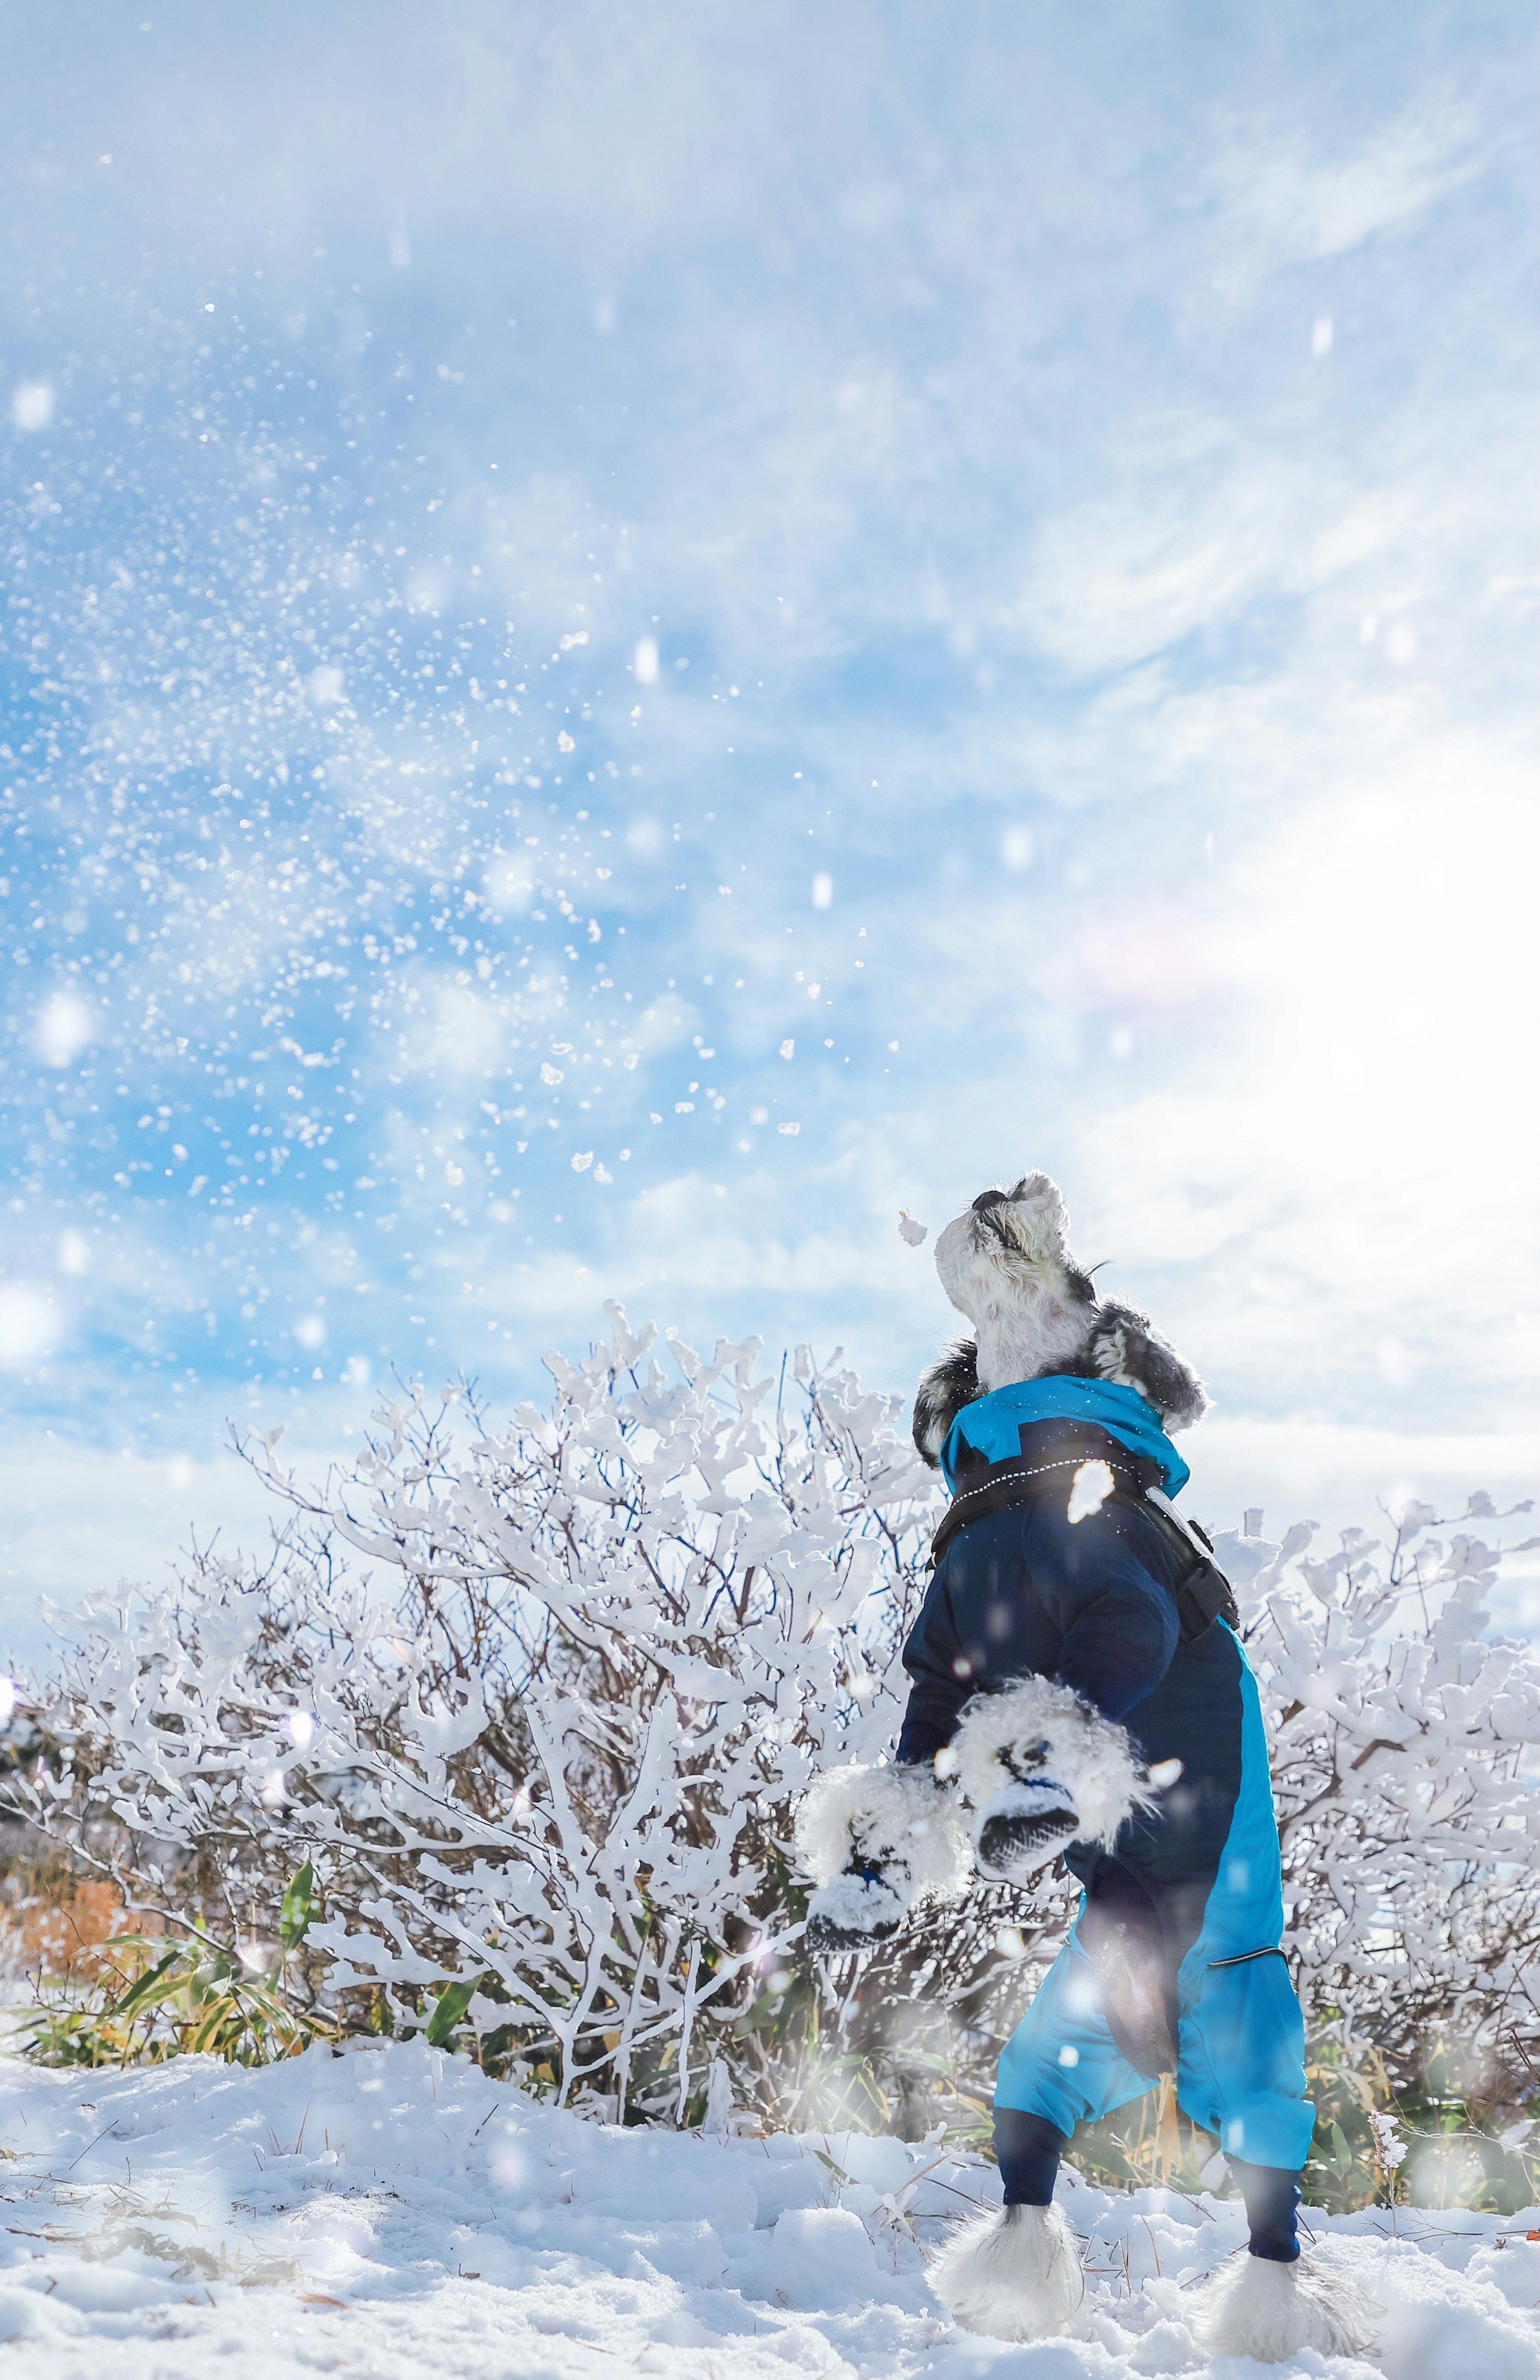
(145,1985)
(449,2010)
(294,1917)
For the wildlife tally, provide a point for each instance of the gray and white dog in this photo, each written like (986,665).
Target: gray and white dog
(1005,1264)
(1045,1764)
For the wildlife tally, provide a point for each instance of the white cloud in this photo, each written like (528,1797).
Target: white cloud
(510,886)
(1288,205)
(1188,530)
(1298,1467)
(76,1518)
(457,1032)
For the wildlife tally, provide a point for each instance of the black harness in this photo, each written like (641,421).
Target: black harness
(1201,1592)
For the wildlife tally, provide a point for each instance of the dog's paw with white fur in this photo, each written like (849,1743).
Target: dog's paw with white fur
(1042,1769)
(860,1907)
(877,1842)
(1273,2312)
(1016,2275)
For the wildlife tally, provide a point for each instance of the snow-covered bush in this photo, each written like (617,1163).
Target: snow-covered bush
(1402,1746)
(537,1704)
(543,1747)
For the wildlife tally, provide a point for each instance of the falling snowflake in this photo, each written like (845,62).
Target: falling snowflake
(1089,1490)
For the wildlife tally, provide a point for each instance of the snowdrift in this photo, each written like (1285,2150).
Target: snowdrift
(393,2211)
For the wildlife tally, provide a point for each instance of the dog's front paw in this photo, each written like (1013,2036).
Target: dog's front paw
(1035,1753)
(1024,1829)
(877,1842)
(856,1910)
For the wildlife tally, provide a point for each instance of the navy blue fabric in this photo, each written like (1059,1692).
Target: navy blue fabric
(994,1427)
(1120,1928)
(1026,1589)
(1272,2197)
(1027,2149)
(1193,1715)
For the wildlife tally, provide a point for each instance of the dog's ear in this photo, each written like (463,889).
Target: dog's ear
(1126,1351)
(951,1383)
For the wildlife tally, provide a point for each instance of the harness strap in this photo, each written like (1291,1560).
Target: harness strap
(1201,1591)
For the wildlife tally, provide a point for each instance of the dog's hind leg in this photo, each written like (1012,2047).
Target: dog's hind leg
(1016,2275)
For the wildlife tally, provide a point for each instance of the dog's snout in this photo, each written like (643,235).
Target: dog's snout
(987,1198)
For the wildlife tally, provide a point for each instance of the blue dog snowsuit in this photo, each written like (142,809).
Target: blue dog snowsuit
(1191,1897)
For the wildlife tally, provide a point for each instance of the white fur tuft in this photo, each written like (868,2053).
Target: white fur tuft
(1109,1354)
(897,1818)
(1090,1755)
(1126,1351)
(1272,2312)
(1015,2275)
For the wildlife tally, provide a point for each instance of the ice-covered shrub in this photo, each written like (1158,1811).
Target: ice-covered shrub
(543,1736)
(1402,1744)
(537,1703)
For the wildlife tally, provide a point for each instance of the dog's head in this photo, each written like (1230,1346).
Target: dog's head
(1006,1264)
(1007,1257)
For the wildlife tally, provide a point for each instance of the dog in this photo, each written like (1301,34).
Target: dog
(1078,1681)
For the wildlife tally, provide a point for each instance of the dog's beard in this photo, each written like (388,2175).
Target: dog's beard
(1023,1309)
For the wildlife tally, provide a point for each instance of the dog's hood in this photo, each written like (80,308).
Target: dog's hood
(992,1425)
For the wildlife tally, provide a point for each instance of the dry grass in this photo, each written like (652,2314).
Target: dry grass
(54,1924)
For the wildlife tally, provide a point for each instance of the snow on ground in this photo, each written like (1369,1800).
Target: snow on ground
(393,2212)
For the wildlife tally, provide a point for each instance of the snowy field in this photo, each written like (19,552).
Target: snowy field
(392,2212)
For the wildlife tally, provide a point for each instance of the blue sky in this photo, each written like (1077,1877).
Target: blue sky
(637,636)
